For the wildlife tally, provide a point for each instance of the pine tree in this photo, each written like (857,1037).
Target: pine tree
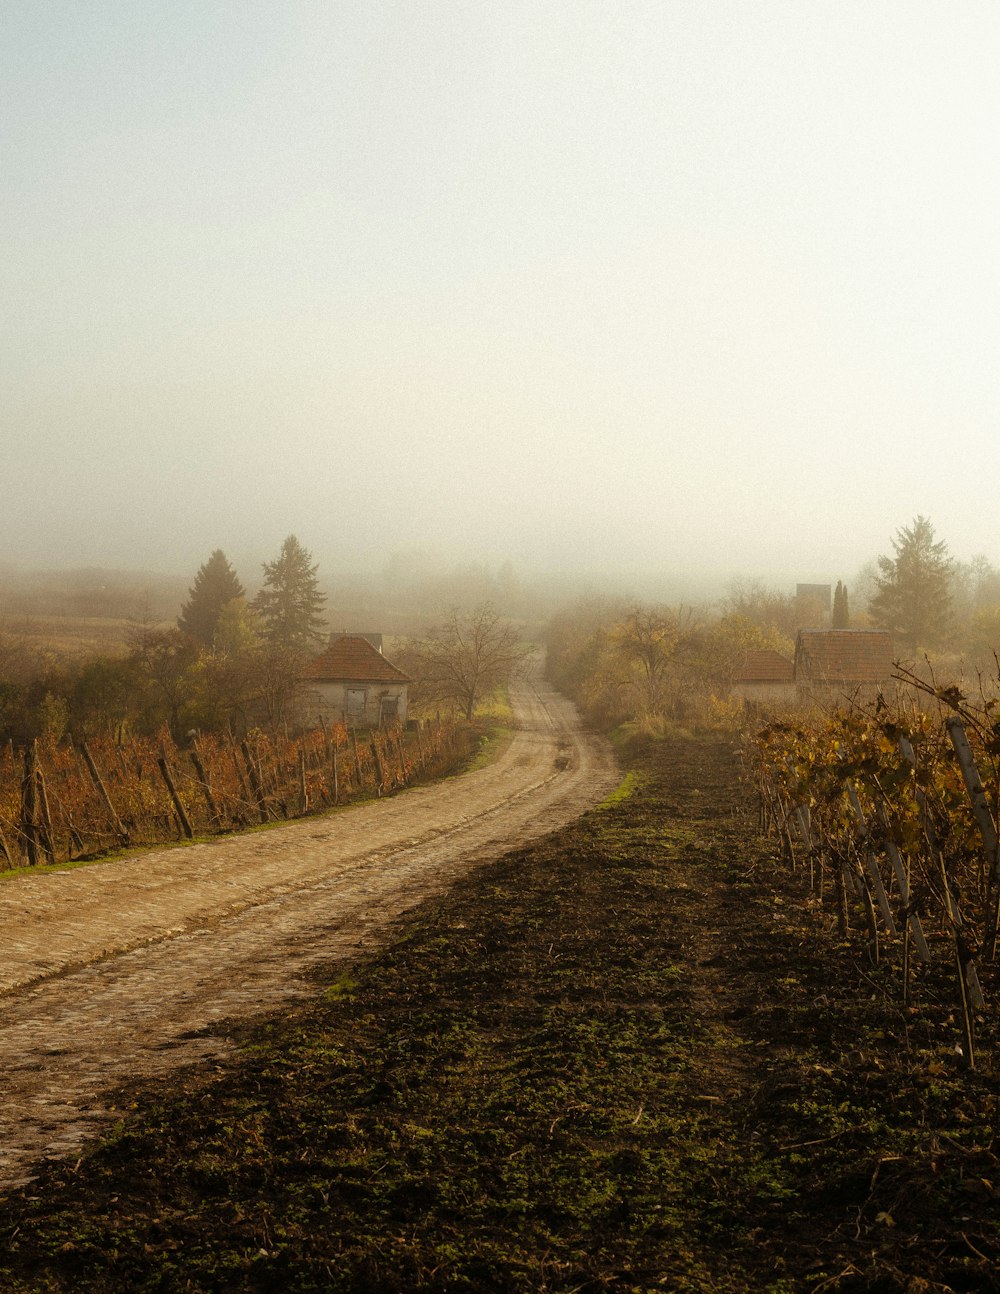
(214,586)
(841,615)
(912,598)
(290,602)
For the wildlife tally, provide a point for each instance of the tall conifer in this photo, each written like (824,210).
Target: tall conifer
(290,602)
(912,598)
(214,585)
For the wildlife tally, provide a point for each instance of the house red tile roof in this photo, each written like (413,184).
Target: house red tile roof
(765,667)
(843,656)
(352,659)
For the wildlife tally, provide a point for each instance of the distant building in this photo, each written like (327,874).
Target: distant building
(352,682)
(829,664)
(822,594)
(765,676)
(374,638)
(841,660)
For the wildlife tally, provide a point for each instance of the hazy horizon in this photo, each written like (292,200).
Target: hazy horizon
(616,292)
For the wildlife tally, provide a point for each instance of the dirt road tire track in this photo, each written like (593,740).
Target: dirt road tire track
(126,969)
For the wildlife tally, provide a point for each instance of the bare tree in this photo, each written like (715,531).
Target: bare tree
(657,646)
(164,659)
(762,606)
(467,657)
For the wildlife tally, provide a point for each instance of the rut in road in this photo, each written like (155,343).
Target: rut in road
(127,969)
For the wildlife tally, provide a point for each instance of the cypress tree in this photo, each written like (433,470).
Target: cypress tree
(214,585)
(841,615)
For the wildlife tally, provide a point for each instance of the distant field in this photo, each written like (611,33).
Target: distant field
(72,636)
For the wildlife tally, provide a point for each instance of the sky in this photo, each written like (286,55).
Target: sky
(681,286)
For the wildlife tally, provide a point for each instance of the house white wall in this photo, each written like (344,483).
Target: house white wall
(769,693)
(357,704)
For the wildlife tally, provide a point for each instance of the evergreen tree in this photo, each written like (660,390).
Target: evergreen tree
(214,586)
(912,598)
(290,602)
(841,615)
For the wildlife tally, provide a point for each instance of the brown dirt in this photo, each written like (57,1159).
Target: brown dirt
(124,969)
(630,1056)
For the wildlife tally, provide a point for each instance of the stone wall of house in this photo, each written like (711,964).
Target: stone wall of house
(359,705)
(767,693)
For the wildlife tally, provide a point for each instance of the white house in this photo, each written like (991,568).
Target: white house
(352,682)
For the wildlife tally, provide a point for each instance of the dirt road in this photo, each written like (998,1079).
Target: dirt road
(125,969)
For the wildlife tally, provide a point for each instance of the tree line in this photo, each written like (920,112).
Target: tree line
(228,662)
(645,665)
(232,663)
(925,598)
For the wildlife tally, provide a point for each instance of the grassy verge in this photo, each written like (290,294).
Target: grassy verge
(626,1058)
(492,738)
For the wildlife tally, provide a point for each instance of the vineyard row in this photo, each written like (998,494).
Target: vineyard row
(892,814)
(59,802)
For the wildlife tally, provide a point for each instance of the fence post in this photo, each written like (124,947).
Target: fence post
(258,790)
(871,860)
(102,790)
(986,824)
(178,806)
(970,993)
(303,793)
(29,788)
(379,770)
(206,788)
(45,836)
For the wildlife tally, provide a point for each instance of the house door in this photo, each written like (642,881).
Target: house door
(355,704)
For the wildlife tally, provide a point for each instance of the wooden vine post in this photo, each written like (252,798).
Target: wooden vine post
(45,835)
(205,787)
(903,885)
(379,770)
(986,824)
(5,850)
(303,792)
(871,860)
(240,775)
(29,806)
(102,790)
(970,994)
(182,816)
(255,782)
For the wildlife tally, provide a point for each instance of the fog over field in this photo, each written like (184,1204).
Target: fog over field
(662,293)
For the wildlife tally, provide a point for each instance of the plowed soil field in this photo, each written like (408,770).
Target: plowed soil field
(627,1056)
